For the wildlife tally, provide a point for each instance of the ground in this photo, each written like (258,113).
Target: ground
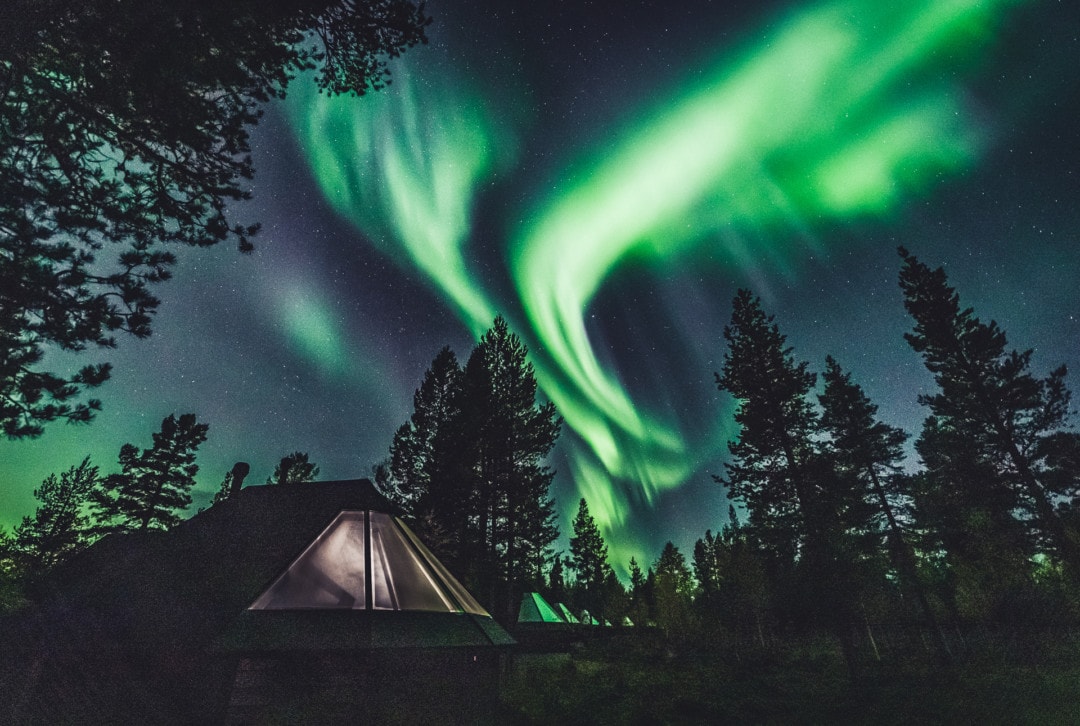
(1001,679)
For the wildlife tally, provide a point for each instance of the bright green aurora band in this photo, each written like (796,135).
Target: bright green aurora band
(840,111)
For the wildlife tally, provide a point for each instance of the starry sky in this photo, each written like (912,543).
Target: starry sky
(606,175)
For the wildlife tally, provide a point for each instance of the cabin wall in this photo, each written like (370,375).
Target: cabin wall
(437,686)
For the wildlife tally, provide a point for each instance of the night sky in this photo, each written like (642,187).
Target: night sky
(606,175)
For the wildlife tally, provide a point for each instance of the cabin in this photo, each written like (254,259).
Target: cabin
(284,603)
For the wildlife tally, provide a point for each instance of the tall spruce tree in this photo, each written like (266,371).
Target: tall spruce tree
(589,557)
(965,509)
(769,472)
(638,595)
(155,483)
(673,591)
(869,452)
(744,586)
(798,505)
(864,449)
(556,580)
(414,477)
(710,560)
(60,526)
(988,395)
(500,439)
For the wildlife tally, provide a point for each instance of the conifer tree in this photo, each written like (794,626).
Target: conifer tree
(637,578)
(153,483)
(589,557)
(638,594)
(770,468)
(797,503)
(499,440)
(414,475)
(744,587)
(60,526)
(673,590)
(862,447)
(709,556)
(556,581)
(232,482)
(294,468)
(869,452)
(989,396)
(12,574)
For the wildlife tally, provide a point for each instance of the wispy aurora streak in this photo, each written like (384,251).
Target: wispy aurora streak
(313,331)
(836,114)
(403,165)
(840,111)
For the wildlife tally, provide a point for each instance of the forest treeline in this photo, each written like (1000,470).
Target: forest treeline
(828,530)
(833,533)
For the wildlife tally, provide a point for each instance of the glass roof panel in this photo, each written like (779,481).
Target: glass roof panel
(328,574)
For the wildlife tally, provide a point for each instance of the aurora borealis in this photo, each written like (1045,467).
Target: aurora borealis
(606,181)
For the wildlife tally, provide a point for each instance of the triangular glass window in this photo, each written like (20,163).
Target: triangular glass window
(367,560)
(566,614)
(328,574)
(535,609)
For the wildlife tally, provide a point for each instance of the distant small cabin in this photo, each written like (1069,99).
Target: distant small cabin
(295,603)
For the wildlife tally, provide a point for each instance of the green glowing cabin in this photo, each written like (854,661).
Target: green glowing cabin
(566,614)
(535,609)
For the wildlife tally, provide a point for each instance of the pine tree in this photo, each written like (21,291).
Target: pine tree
(870,452)
(126,130)
(709,566)
(294,468)
(639,595)
(988,395)
(862,448)
(673,590)
(154,483)
(745,586)
(966,509)
(798,504)
(589,554)
(12,574)
(637,578)
(414,475)
(233,481)
(770,468)
(498,441)
(556,581)
(60,526)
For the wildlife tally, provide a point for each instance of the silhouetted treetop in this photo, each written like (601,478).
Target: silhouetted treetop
(154,484)
(294,468)
(60,526)
(990,405)
(589,558)
(125,129)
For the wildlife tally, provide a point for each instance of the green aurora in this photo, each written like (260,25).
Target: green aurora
(840,111)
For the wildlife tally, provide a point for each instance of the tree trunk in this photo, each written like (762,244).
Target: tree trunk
(905,562)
